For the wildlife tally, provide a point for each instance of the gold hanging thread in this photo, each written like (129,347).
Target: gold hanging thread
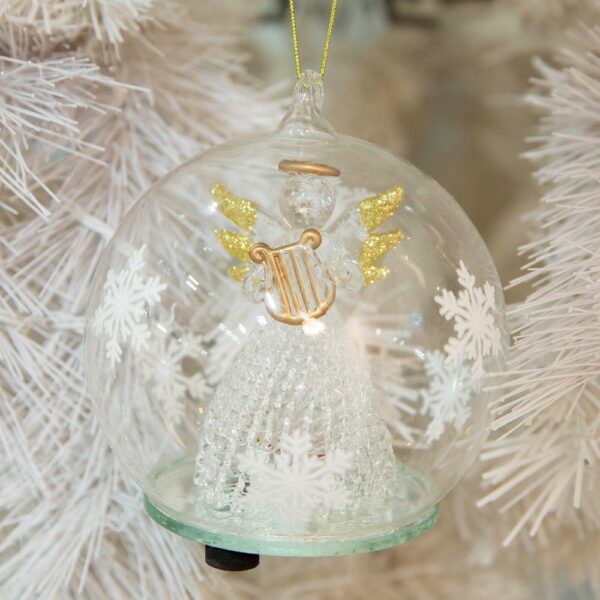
(327,39)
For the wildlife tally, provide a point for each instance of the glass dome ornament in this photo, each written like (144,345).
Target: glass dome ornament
(288,344)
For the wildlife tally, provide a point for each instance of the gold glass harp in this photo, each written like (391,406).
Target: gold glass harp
(301,289)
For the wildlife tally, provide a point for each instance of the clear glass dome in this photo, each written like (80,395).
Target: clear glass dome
(289,342)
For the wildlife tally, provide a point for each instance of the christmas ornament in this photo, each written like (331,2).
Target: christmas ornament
(288,341)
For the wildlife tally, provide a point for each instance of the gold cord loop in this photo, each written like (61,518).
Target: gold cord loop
(327,39)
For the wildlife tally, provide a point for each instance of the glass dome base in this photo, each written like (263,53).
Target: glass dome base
(173,512)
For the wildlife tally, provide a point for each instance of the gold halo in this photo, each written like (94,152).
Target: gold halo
(303,166)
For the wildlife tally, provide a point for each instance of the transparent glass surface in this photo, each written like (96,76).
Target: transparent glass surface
(290,340)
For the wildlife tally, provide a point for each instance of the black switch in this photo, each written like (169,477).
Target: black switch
(230,560)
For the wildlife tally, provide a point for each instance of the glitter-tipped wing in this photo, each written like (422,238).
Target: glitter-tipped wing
(376,246)
(238,210)
(237,245)
(242,213)
(373,212)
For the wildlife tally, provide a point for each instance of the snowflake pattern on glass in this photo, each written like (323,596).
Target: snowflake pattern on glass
(163,368)
(127,294)
(290,484)
(472,311)
(446,400)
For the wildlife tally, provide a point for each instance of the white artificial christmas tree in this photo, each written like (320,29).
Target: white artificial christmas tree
(544,462)
(97,99)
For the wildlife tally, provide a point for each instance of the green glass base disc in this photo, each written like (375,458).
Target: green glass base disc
(176,511)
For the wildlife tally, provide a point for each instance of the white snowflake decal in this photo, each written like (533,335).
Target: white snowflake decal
(127,293)
(446,400)
(472,310)
(163,367)
(296,483)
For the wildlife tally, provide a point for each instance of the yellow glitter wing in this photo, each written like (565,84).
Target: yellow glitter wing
(238,272)
(377,210)
(242,213)
(375,247)
(374,212)
(238,245)
(238,210)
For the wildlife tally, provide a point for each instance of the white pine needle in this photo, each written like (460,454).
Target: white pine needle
(97,100)
(545,459)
